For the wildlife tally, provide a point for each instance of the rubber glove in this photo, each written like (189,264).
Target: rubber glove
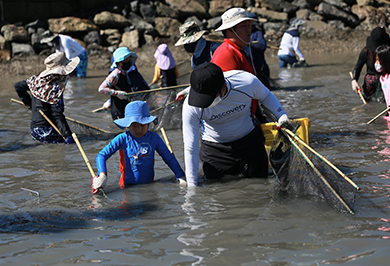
(284,122)
(355,86)
(98,182)
(69,140)
(120,94)
(107,105)
(180,96)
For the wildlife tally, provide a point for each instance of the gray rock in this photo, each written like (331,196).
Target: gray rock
(108,20)
(331,12)
(148,13)
(92,37)
(21,48)
(13,33)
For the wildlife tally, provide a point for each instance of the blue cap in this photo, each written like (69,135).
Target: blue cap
(136,111)
(121,54)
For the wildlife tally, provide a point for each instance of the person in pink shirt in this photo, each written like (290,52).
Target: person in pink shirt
(382,66)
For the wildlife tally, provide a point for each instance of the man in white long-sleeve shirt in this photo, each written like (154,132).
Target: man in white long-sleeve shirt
(231,142)
(290,45)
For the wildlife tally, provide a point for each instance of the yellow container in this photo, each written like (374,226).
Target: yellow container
(269,130)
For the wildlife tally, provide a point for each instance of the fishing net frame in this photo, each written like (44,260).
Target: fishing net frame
(303,173)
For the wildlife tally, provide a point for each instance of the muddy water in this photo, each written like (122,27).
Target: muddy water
(239,222)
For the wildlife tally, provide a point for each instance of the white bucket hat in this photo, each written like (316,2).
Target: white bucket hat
(232,17)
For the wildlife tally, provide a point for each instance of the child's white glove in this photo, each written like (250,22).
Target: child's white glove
(180,96)
(120,94)
(98,182)
(107,105)
(355,86)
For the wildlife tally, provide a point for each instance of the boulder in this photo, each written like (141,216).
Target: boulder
(188,8)
(163,10)
(22,48)
(111,37)
(139,23)
(13,33)
(69,25)
(5,49)
(370,17)
(330,12)
(269,14)
(148,12)
(167,26)
(130,39)
(108,20)
(307,14)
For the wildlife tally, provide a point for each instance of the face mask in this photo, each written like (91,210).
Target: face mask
(216,101)
(126,65)
(378,67)
(190,47)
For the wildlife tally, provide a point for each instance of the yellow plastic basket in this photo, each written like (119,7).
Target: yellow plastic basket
(269,130)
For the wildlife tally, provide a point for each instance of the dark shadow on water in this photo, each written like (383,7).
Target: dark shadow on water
(57,221)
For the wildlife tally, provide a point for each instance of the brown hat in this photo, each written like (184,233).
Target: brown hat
(57,63)
(189,33)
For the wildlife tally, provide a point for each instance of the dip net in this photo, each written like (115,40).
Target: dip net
(303,173)
(162,104)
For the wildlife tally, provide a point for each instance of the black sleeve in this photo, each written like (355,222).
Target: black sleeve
(359,65)
(22,90)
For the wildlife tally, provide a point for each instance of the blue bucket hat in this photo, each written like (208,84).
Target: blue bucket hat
(136,111)
(121,54)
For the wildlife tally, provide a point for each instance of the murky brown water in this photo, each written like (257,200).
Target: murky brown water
(234,223)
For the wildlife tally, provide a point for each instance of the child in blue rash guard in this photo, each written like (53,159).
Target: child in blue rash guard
(136,147)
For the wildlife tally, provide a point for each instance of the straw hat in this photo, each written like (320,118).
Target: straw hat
(232,17)
(57,63)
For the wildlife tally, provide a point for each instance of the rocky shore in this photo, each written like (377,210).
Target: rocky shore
(332,26)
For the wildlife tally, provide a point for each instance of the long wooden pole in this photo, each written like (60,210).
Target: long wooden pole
(51,123)
(166,139)
(83,154)
(359,90)
(165,105)
(69,119)
(319,174)
(159,89)
(289,132)
(376,117)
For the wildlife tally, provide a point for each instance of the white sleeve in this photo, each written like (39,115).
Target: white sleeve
(295,43)
(268,99)
(191,123)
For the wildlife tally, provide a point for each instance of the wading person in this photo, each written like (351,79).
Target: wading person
(289,46)
(231,142)
(47,90)
(137,146)
(71,48)
(123,78)
(165,68)
(367,56)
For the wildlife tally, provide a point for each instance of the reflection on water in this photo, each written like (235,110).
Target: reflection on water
(238,222)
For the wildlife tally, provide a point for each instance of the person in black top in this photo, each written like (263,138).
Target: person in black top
(371,85)
(47,90)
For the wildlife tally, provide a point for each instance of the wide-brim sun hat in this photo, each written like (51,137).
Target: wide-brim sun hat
(206,82)
(59,64)
(48,36)
(135,111)
(189,33)
(377,38)
(232,17)
(121,54)
(295,23)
